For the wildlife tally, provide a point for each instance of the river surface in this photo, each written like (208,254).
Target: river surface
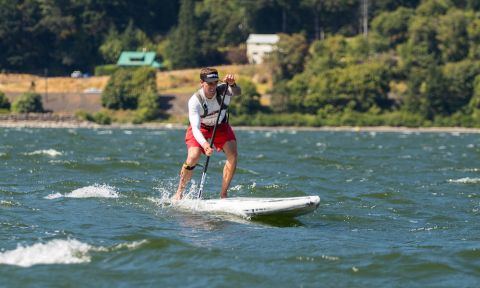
(87,208)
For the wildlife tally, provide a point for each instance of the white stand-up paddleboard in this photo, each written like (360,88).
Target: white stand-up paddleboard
(253,207)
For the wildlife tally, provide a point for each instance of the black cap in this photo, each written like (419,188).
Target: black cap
(211,77)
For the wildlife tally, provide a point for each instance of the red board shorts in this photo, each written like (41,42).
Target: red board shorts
(223,134)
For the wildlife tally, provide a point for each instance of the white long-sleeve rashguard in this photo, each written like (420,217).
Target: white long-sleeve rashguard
(195,111)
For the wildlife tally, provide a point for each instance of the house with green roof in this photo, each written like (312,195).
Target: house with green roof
(138,58)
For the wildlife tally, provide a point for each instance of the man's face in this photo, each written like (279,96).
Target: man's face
(209,88)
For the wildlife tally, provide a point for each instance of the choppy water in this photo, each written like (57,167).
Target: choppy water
(83,208)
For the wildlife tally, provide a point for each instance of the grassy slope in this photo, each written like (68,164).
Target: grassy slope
(168,82)
(66,94)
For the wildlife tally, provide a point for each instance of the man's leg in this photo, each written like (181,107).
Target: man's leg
(186,172)
(230,149)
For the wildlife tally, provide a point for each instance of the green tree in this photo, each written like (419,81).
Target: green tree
(223,22)
(148,106)
(248,102)
(358,50)
(452,35)
(379,7)
(118,93)
(460,81)
(4,103)
(223,25)
(285,62)
(328,13)
(23,40)
(296,91)
(358,87)
(421,50)
(473,5)
(473,31)
(184,47)
(326,54)
(392,27)
(427,92)
(289,56)
(131,39)
(73,31)
(280,99)
(27,103)
(475,100)
(433,91)
(112,47)
(133,88)
(433,8)
(66,35)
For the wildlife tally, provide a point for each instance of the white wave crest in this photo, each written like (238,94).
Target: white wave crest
(53,252)
(53,196)
(236,187)
(130,246)
(466,180)
(48,152)
(58,251)
(94,191)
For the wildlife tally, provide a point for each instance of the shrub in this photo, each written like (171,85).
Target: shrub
(132,89)
(28,102)
(101,117)
(82,115)
(392,27)
(4,103)
(279,119)
(148,106)
(357,87)
(118,93)
(249,101)
(460,77)
(475,100)
(106,70)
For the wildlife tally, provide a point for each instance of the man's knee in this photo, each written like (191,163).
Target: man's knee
(230,149)
(189,167)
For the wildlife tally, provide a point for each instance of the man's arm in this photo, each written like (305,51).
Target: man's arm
(194,110)
(231,90)
(234,90)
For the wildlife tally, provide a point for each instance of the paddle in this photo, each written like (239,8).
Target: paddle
(205,167)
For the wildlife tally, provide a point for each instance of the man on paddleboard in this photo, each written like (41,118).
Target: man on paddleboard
(203,109)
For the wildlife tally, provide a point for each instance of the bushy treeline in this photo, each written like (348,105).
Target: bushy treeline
(64,35)
(54,36)
(4,102)
(419,64)
(133,89)
(28,102)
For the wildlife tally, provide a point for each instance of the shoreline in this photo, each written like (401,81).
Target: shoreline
(90,125)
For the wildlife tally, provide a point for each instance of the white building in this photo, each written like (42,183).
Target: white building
(260,44)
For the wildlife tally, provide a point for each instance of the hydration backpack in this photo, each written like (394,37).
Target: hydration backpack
(220,90)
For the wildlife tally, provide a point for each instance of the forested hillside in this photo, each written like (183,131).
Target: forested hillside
(417,66)
(64,35)
(338,62)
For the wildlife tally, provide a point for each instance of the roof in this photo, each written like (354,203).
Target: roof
(136,58)
(263,38)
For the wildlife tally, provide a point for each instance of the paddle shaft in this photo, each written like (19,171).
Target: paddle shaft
(205,167)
